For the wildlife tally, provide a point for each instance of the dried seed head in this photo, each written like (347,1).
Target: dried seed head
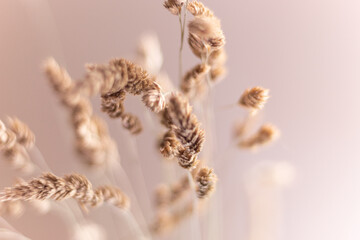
(197,46)
(167,220)
(106,78)
(58,77)
(198,9)
(205,180)
(217,57)
(24,135)
(217,73)
(132,123)
(167,195)
(50,186)
(174,6)
(193,78)
(265,135)
(178,117)
(169,145)
(113,196)
(154,99)
(205,35)
(254,98)
(112,104)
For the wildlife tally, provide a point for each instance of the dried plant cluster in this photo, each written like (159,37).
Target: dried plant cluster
(182,142)
(93,141)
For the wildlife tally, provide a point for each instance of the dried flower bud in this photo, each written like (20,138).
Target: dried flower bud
(254,98)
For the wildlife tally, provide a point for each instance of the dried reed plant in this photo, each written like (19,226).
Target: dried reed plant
(183,141)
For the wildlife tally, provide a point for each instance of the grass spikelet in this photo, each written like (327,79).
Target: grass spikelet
(265,135)
(254,98)
(50,186)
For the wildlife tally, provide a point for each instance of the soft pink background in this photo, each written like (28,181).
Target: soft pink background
(307,52)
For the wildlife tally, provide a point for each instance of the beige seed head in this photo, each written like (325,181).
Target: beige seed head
(174,6)
(254,98)
(193,78)
(58,77)
(24,135)
(169,145)
(154,99)
(265,135)
(205,35)
(179,118)
(198,9)
(205,181)
(113,104)
(132,123)
(50,186)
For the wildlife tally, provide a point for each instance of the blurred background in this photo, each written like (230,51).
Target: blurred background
(306,52)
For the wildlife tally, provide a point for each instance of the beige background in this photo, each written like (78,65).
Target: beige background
(307,52)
